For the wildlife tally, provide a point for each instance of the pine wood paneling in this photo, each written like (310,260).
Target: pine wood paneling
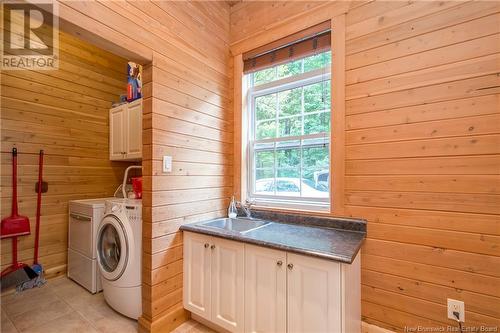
(422,149)
(187,115)
(65,113)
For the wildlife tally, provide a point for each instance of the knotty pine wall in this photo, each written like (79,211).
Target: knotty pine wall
(187,115)
(65,113)
(422,148)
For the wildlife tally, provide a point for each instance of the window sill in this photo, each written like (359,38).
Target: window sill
(288,205)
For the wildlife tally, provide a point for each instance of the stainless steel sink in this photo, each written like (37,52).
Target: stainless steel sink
(240,225)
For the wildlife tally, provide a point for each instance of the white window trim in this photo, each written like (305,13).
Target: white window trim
(303,79)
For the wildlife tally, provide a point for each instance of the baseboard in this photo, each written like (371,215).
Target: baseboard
(167,323)
(370,328)
(209,324)
(53,272)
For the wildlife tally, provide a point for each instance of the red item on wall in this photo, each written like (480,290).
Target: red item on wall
(137,187)
(15,224)
(130,93)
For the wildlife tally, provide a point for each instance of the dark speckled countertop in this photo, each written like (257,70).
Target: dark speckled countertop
(323,237)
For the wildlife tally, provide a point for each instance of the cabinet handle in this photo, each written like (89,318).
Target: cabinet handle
(212,247)
(279,263)
(290,266)
(206,245)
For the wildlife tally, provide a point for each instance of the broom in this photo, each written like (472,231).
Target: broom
(41,186)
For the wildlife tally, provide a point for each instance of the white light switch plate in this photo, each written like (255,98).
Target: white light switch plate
(167,163)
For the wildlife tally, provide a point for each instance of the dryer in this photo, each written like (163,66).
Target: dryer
(84,219)
(119,251)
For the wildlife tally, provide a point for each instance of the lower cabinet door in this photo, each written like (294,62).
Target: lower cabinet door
(228,259)
(196,289)
(265,290)
(314,295)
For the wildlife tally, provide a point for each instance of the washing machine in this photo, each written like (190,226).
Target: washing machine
(119,251)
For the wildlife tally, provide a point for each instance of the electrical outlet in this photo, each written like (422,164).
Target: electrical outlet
(456,306)
(167,163)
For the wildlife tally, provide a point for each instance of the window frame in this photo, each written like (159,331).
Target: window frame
(295,81)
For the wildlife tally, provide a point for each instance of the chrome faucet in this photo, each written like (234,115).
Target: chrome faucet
(246,207)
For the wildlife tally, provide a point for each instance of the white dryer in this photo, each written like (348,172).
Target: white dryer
(119,250)
(84,219)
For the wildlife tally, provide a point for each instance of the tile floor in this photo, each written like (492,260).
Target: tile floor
(62,306)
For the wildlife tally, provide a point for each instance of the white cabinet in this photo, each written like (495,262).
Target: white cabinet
(214,280)
(265,290)
(257,289)
(314,295)
(228,260)
(116,132)
(197,274)
(125,132)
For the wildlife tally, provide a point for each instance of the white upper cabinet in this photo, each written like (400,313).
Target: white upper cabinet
(265,290)
(116,133)
(125,132)
(314,295)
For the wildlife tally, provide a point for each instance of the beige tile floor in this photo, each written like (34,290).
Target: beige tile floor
(62,306)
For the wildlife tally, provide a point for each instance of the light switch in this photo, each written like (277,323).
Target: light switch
(167,163)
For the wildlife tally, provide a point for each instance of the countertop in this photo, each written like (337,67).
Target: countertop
(338,240)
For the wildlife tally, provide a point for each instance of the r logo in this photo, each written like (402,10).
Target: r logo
(30,35)
(28,29)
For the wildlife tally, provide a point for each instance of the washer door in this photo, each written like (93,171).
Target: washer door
(112,248)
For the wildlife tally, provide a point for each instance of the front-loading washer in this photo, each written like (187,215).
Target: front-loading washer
(119,250)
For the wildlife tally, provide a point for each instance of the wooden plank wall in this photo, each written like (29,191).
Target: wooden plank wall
(187,115)
(422,149)
(65,113)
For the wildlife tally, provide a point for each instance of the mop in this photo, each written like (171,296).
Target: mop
(39,280)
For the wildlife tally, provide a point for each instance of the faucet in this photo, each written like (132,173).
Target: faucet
(246,208)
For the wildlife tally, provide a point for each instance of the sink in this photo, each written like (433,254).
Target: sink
(240,225)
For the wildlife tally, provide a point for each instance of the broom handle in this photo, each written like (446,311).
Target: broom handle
(38,206)
(14,181)
(14,251)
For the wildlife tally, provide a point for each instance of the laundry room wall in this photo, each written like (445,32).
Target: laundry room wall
(187,115)
(422,147)
(65,113)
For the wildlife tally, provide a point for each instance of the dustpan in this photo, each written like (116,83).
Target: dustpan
(14,225)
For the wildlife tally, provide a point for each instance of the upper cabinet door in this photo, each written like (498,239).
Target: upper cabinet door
(133,138)
(116,133)
(228,259)
(197,264)
(265,290)
(314,295)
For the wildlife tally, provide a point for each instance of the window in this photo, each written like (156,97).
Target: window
(289,133)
